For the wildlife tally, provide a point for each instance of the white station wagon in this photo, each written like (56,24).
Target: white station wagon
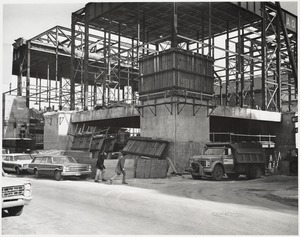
(16,162)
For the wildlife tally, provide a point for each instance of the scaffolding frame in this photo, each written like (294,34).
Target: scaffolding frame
(96,62)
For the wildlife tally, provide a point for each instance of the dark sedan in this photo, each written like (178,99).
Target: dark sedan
(58,167)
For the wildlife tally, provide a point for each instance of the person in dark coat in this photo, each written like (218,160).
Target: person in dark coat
(120,169)
(100,167)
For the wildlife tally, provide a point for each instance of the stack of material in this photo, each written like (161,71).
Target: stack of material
(149,155)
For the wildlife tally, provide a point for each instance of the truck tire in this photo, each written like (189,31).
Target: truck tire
(57,175)
(233,175)
(255,172)
(217,173)
(197,177)
(15,211)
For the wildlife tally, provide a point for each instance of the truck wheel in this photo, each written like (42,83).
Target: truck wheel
(233,175)
(18,171)
(255,172)
(15,211)
(36,173)
(57,175)
(217,173)
(197,177)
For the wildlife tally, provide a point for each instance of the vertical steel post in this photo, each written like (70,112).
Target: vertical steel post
(108,62)
(119,61)
(278,62)
(60,107)
(242,71)
(105,70)
(209,29)
(72,79)
(263,55)
(202,36)
(28,75)
(48,84)
(40,94)
(174,26)
(252,76)
(86,62)
(227,65)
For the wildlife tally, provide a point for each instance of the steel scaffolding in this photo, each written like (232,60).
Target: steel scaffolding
(96,62)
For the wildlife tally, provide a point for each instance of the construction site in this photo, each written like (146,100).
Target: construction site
(158,81)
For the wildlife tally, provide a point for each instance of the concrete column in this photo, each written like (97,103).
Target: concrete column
(187,133)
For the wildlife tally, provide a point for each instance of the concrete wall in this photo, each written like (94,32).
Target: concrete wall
(15,114)
(285,134)
(186,133)
(56,130)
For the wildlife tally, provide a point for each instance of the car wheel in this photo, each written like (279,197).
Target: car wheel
(36,173)
(18,171)
(197,177)
(255,172)
(233,175)
(57,175)
(15,211)
(217,173)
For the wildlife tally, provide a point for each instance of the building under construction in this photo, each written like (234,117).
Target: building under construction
(176,74)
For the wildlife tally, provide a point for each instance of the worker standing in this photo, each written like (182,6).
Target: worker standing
(120,168)
(100,167)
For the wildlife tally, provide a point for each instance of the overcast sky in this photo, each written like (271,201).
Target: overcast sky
(29,18)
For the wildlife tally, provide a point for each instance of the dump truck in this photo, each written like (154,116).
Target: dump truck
(232,159)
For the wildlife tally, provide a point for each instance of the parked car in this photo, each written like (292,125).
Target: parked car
(16,193)
(58,167)
(16,162)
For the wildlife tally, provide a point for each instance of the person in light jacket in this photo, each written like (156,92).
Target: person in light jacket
(120,168)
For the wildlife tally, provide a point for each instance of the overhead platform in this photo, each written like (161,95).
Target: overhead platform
(128,116)
(246,113)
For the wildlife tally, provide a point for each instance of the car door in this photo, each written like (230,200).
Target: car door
(47,165)
(5,162)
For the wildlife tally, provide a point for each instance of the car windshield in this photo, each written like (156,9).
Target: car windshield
(23,157)
(63,160)
(214,151)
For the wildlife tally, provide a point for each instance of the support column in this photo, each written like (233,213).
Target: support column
(263,55)
(227,65)
(86,63)
(278,62)
(252,76)
(72,79)
(28,75)
(174,41)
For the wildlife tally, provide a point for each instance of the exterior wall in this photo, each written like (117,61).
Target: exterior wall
(15,114)
(185,132)
(285,134)
(56,130)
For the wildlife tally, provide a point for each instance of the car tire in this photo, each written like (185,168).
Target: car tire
(217,173)
(18,171)
(197,177)
(36,173)
(57,175)
(15,211)
(233,175)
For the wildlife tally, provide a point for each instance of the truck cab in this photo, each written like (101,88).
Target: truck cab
(231,159)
